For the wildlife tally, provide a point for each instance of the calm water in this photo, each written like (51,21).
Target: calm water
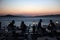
(28,21)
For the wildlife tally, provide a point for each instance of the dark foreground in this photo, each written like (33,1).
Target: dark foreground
(28,36)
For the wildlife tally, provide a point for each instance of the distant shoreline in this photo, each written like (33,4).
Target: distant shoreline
(58,15)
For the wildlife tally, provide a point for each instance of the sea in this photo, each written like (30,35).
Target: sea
(28,20)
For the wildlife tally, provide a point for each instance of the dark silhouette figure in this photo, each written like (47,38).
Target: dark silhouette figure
(0,25)
(33,28)
(34,35)
(39,24)
(39,27)
(11,26)
(23,27)
(52,27)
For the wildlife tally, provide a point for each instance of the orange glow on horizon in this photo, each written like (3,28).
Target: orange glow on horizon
(29,11)
(29,7)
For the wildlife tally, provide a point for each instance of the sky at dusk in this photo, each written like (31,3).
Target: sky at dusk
(29,7)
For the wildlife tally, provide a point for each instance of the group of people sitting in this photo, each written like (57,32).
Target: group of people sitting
(40,29)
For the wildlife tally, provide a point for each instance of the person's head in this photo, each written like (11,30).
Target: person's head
(51,21)
(22,22)
(13,21)
(40,20)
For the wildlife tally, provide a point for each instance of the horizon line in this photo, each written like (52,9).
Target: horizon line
(26,15)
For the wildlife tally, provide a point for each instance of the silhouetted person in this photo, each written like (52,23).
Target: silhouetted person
(33,28)
(34,36)
(23,27)
(52,27)
(11,26)
(0,25)
(39,27)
